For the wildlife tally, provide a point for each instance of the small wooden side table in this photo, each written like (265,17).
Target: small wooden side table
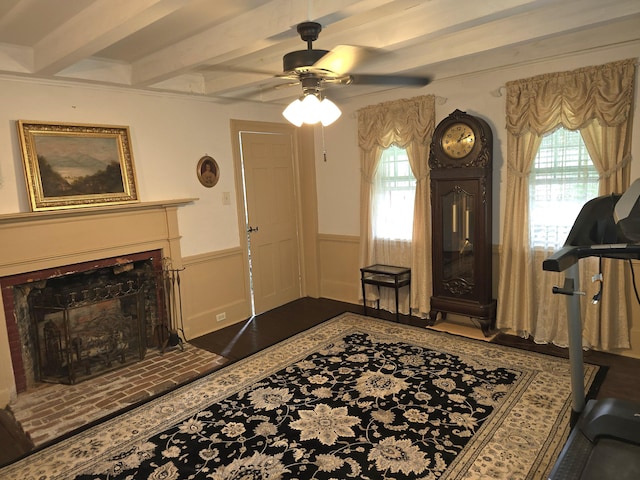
(385,276)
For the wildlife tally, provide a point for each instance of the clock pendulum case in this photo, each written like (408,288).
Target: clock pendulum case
(460,161)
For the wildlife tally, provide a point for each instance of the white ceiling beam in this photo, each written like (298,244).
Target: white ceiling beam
(245,33)
(556,19)
(569,44)
(410,21)
(545,50)
(376,28)
(98,70)
(271,53)
(501,34)
(192,84)
(96,27)
(15,59)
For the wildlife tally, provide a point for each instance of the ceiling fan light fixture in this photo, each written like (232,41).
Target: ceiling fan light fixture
(311,110)
(329,112)
(294,112)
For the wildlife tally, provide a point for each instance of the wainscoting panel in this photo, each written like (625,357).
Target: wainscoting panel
(339,267)
(214,285)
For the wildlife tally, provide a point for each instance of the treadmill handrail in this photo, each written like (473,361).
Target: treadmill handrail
(560,260)
(568,255)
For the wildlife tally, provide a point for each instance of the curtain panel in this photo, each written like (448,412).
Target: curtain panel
(409,124)
(598,102)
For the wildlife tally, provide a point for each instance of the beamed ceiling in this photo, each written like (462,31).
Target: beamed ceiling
(231,50)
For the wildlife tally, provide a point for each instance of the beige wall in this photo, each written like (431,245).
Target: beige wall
(480,93)
(331,229)
(213,284)
(170,133)
(340,280)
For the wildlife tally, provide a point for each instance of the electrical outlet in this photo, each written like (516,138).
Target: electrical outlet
(221,316)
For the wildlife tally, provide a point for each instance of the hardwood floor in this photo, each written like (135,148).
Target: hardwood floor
(244,338)
(237,341)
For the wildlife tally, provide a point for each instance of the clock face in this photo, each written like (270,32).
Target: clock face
(458,140)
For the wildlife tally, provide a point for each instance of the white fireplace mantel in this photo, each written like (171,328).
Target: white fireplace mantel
(41,240)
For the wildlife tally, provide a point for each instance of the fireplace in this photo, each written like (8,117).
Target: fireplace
(61,243)
(83,320)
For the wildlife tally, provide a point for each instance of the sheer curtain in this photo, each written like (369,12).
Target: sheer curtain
(597,101)
(409,124)
(394,197)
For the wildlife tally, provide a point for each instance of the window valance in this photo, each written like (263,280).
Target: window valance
(571,99)
(398,121)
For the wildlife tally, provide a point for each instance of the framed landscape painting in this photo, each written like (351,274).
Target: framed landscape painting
(76,165)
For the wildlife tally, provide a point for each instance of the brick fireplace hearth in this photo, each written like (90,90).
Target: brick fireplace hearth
(50,411)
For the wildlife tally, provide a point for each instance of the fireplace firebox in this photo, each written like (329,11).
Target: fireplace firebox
(83,320)
(83,333)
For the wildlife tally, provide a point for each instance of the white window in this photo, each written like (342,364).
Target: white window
(394,192)
(562,180)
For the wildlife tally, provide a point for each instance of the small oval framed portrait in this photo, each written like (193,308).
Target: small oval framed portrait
(208,171)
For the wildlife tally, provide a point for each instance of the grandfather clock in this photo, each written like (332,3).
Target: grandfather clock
(460,163)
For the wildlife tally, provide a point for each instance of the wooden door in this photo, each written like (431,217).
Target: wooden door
(271,217)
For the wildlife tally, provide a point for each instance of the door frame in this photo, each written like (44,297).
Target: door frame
(306,210)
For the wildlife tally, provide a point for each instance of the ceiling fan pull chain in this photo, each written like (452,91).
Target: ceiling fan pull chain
(324,147)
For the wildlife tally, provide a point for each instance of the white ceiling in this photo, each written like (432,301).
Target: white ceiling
(231,49)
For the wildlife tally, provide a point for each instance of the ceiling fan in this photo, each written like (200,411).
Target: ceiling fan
(313,68)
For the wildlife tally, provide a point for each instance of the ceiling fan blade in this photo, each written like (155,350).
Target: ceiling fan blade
(280,86)
(400,80)
(343,58)
(258,93)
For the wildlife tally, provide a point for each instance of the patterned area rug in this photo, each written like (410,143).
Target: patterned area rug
(354,397)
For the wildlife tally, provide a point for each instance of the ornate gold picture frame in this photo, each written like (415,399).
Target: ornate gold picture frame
(76,165)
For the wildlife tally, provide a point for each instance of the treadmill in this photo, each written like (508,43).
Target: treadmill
(605,440)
